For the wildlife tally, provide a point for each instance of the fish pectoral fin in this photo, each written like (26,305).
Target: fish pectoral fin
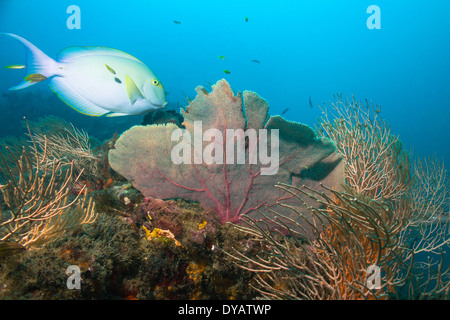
(133,92)
(75,100)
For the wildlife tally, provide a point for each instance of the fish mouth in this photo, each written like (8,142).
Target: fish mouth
(159,105)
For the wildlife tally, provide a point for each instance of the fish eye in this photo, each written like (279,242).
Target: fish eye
(155,82)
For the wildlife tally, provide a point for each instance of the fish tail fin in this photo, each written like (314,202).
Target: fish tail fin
(37,63)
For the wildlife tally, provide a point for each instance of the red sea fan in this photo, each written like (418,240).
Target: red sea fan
(230,171)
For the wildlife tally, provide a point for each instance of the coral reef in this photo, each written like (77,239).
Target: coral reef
(384,217)
(143,155)
(341,202)
(118,260)
(37,205)
(68,145)
(376,164)
(163,117)
(64,143)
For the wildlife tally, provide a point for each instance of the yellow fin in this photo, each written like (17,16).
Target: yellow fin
(132,90)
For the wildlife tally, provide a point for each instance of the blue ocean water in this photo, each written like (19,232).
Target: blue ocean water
(305,49)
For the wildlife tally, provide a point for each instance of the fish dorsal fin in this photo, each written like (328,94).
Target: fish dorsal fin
(133,92)
(72,53)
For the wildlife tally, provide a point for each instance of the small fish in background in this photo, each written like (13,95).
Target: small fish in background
(113,72)
(15,66)
(222,57)
(256,61)
(94,81)
(227,71)
(442,218)
(176,22)
(185,97)
(109,69)
(35,77)
(10,248)
(284,111)
(246,19)
(310,103)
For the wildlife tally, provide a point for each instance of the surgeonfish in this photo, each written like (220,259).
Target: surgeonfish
(95,81)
